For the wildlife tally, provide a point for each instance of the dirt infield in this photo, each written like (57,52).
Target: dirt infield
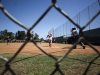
(55,49)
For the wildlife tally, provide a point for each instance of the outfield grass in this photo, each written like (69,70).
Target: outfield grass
(30,64)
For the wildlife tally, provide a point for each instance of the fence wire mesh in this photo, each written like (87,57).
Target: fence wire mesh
(81,18)
(58,60)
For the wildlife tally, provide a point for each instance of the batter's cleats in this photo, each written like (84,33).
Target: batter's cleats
(83,47)
(49,45)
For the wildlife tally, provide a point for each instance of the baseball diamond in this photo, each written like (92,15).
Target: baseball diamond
(63,54)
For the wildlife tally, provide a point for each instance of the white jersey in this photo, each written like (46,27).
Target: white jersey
(50,37)
(75,32)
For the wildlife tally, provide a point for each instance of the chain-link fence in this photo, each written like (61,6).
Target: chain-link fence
(58,60)
(51,31)
(81,18)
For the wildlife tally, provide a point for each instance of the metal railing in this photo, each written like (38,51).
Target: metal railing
(57,68)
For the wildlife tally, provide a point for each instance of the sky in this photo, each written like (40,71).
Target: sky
(29,11)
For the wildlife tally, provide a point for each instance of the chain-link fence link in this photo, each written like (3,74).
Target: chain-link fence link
(58,60)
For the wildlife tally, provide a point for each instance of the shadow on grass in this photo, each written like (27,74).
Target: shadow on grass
(89,65)
(86,70)
(23,59)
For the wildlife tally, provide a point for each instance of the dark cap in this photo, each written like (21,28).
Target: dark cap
(73,28)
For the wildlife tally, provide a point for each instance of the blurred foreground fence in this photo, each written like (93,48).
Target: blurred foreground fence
(80,21)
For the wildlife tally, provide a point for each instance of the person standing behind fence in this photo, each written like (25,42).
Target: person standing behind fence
(8,40)
(75,35)
(50,37)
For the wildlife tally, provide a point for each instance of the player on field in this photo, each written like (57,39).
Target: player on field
(50,37)
(8,40)
(75,36)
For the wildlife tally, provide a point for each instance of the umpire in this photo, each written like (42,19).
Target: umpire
(75,35)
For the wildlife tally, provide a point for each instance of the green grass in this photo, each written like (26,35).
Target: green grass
(31,64)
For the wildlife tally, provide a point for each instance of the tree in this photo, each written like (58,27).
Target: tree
(1,35)
(5,33)
(41,39)
(20,35)
(16,35)
(11,35)
(36,37)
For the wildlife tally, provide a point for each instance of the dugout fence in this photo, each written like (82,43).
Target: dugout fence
(58,60)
